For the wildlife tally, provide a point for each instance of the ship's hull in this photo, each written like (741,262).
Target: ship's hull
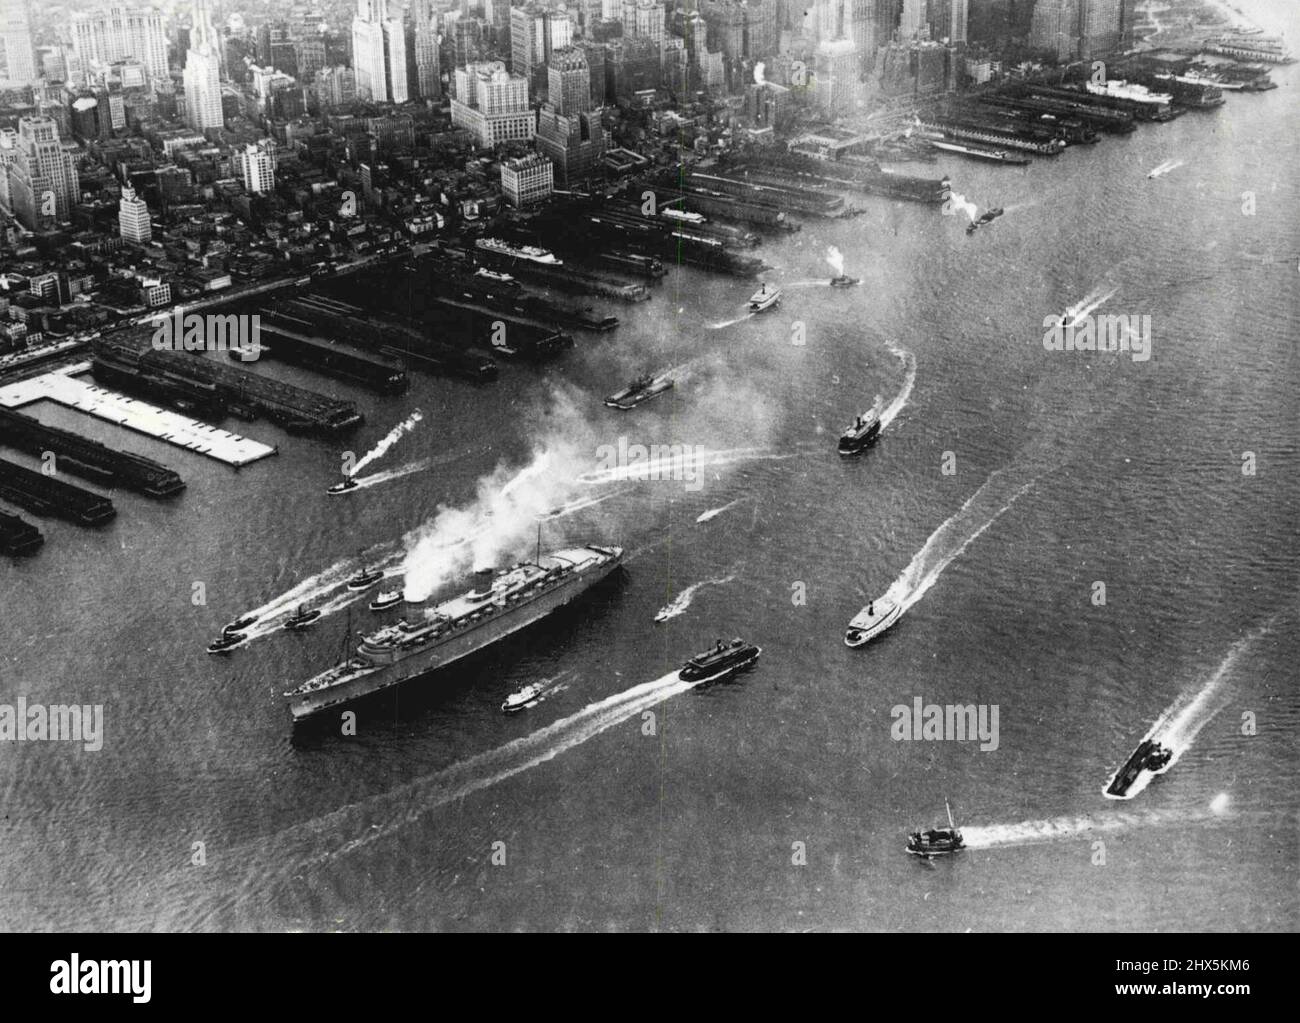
(856,445)
(625,400)
(470,641)
(708,677)
(860,635)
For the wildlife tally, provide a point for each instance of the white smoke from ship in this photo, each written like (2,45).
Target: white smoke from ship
(836,259)
(760,74)
(394,435)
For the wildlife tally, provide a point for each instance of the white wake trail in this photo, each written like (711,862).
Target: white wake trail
(682,601)
(393,436)
(904,392)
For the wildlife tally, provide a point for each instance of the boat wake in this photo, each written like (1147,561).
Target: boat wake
(730,323)
(1177,727)
(1090,303)
(679,463)
(682,601)
(999,492)
(1060,829)
(713,513)
(905,392)
(262,867)
(1165,168)
(394,435)
(388,475)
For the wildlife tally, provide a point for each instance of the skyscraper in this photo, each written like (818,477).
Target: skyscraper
(257,166)
(202,76)
(569,81)
(133,217)
(1100,27)
(1055,28)
(17,57)
(379,53)
(120,33)
(427,71)
(43,182)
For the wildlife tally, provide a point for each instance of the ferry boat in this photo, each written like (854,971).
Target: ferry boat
(844,281)
(722,660)
(639,390)
(764,298)
(864,429)
(499,605)
(301,619)
(531,253)
(871,621)
(936,841)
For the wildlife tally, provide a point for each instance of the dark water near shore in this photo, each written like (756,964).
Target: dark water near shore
(1078,467)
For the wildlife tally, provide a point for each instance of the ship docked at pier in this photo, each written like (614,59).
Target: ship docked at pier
(500,605)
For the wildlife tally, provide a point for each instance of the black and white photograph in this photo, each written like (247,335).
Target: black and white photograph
(650,467)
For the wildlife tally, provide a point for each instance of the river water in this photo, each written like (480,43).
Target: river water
(1008,483)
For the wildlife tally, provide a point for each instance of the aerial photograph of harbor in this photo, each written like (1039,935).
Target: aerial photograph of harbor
(649,466)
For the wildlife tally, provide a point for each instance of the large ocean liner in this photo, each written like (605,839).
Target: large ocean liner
(502,603)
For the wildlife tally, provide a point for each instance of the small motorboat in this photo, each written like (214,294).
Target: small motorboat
(365,579)
(722,660)
(347,485)
(936,841)
(1149,756)
(302,619)
(871,621)
(764,298)
(985,218)
(226,642)
(525,698)
(386,600)
(238,625)
(844,281)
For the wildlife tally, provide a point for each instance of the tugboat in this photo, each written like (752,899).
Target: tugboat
(365,579)
(238,625)
(1149,756)
(723,660)
(641,389)
(844,281)
(386,600)
(871,621)
(226,642)
(347,484)
(302,619)
(936,841)
(864,429)
(764,298)
(986,218)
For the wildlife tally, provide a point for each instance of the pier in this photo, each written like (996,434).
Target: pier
(45,495)
(161,424)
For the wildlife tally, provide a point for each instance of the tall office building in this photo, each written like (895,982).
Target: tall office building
(536,33)
(121,33)
(202,76)
(257,166)
(574,144)
(133,217)
(17,55)
(569,81)
(428,73)
(643,18)
(492,103)
(1055,28)
(947,19)
(43,182)
(914,20)
(379,53)
(1100,27)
